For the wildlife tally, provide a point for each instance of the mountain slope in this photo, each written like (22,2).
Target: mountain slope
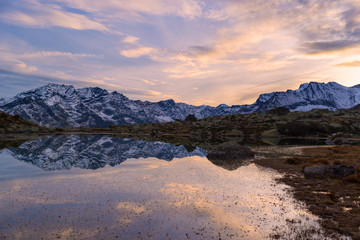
(62,105)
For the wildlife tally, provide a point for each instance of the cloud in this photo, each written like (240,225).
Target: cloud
(329,46)
(349,64)
(135,9)
(202,49)
(29,62)
(40,15)
(12,64)
(55,54)
(216,47)
(137,52)
(13,82)
(256,27)
(21,67)
(130,39)
(152,82)
(176,73)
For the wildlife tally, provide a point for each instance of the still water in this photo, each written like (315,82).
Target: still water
(98,187)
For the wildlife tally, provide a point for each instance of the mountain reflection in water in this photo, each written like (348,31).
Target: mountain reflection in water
(144,198)
(93,152)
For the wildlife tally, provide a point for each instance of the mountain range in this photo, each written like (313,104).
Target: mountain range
(57,105)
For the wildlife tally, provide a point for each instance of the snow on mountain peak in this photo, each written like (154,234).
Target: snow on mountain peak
(312,95)
(63,105)
(47,91)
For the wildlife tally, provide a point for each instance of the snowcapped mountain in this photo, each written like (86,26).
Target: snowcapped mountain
(92,152)
(312,95)
(63,105)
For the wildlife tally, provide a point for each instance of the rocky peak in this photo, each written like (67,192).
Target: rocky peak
(169,102)
(92,92)
(264,97)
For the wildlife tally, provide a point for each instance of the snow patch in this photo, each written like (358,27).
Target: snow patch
(164,119)
(310,107)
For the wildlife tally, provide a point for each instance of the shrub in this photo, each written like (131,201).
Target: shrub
(279,111)
(299,128)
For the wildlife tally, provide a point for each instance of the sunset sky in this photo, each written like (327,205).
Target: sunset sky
(197,52)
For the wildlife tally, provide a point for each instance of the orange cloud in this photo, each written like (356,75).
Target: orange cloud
(130,39)
(137,52)
(349,64)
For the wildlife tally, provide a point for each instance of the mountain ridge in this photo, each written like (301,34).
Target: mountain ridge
(56,105)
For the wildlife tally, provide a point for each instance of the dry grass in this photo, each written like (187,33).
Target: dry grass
(334,155)
(347,155)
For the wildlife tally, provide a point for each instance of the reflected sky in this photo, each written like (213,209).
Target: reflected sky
(186,198)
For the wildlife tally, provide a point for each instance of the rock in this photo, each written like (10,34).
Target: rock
(338,141)
(336,126)
(271,140)
(339,138)
(230,150)
(273,133)
(190,118)
(302,128)
(355,108)
(338,171)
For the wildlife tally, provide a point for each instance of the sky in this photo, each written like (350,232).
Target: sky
(193,51)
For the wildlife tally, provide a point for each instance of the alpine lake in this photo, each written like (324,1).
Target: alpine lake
(104,187)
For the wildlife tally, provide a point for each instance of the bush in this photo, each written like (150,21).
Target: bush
(302,129)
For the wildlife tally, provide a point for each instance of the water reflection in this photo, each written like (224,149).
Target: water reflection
(142,198)
(187,198)
(93,152)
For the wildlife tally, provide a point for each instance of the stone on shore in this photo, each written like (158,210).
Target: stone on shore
(337,171)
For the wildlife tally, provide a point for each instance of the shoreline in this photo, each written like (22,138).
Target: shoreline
(335,201)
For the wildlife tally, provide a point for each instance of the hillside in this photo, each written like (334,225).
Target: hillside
(15,124)
(274,124)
